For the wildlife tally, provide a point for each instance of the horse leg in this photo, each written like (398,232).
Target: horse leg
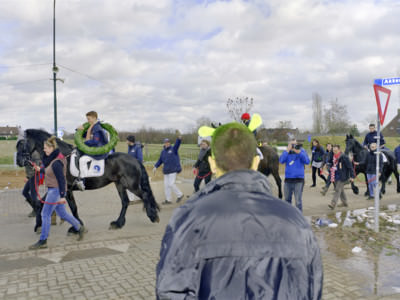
(149,202)
(383,179)
(366,194)
(38,210)
(396,174)
(74,210)
(278,181)
(120,222)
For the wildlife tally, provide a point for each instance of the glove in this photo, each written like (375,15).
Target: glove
(154,170)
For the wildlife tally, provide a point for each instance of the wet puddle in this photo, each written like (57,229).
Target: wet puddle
(359,250)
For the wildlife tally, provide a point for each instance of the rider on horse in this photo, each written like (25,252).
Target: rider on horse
(246,121)
(95,136)
(372,137)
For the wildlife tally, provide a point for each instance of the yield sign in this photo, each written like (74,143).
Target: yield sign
(386,91)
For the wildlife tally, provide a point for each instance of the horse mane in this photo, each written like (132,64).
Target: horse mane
(40,135)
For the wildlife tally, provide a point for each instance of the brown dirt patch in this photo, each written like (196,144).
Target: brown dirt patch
(12,179)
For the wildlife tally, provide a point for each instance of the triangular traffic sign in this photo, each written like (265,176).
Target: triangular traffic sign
(378,89)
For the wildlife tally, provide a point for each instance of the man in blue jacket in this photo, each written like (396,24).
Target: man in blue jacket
(172,166)
(372,137)
(397,154)
(295,158)
(233,239)
(134,149)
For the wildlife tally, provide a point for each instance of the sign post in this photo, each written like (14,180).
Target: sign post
(380,120)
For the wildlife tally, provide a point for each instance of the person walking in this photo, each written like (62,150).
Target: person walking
(294,158)
(341,172)
(233,239)
(397,154)
(327,162)
(371,169)
(202,167)
(316,161)
(32,181)
(169,157)
(55,172)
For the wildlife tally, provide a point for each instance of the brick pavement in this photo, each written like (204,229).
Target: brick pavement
(121,264)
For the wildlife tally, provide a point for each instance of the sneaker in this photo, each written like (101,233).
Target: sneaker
(179,199)
(313,185)
(342,205)
(167,202)
(79,184)
(331,206)
(324,191)
(370,198)
(81,232)
(41,244)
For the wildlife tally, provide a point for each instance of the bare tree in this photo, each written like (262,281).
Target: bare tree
(317,113)
(336,118)
(287,124)
(238,107)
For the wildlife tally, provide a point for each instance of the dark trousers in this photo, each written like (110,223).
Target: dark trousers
(199,178)
(29,191)
(314,178)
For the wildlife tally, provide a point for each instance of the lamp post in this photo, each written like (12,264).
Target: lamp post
(55,69)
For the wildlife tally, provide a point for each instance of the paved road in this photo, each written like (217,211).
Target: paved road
(120,264)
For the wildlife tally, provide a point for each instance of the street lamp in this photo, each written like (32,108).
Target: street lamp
(55,68)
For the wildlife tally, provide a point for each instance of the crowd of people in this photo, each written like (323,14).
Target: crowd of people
(232,238)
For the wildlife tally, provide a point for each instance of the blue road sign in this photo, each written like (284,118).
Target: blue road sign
(387,81)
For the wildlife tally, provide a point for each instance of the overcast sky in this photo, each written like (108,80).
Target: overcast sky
(164,63)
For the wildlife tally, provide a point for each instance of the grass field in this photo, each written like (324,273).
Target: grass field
(188,152)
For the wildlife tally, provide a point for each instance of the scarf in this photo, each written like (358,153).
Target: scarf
(334,166)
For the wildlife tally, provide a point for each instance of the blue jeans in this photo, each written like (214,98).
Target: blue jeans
(295,188)
(53,195)
(371,183)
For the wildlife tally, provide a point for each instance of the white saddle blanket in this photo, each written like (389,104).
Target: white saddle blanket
(88,166)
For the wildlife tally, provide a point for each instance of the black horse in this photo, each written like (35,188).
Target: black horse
(121,168)
(270,165)
(359,161)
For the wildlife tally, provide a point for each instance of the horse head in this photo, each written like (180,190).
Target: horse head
(24,152)
(350,144)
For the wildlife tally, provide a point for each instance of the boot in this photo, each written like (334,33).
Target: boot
(41,244)
(324,191)
(54,218)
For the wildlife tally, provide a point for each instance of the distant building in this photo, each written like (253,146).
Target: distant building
(7,131)
(393,127)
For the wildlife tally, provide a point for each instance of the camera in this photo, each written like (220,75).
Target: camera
(297,146)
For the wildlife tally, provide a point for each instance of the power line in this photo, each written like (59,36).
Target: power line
(23,82)
(23,66)
(80,73)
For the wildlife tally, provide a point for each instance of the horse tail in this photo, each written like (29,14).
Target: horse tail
(149,202)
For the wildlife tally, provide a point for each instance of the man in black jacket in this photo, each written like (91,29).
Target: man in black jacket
(233,239)
(341,173)
(202,166)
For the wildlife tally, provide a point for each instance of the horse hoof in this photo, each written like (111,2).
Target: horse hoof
(157,220)
(113,226)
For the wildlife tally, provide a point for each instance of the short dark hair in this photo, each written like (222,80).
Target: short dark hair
(131,138)
(336,146)
(372,125)
(233,146)
(91,113)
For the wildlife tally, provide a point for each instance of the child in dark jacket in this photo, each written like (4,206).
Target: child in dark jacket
(371,169)
(202,168)
(317,161)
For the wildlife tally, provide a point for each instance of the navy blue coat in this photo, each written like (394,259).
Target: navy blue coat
(170,158)
(371,138)
(136,151)
(397,154)
(98,138)
(344,169)
(234,240)
(317,154)
(371,162)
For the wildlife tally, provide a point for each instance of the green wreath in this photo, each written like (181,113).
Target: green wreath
(80,140)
